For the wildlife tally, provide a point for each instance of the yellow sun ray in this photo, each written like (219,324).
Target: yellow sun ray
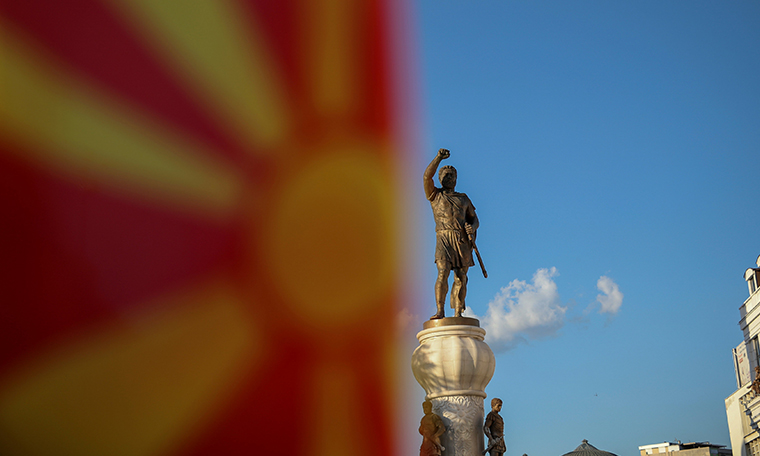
(222,57)
(332,41)
(83,134)
(136,388)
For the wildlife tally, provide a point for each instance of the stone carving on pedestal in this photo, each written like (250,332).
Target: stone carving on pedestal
(453,365)
(463,415)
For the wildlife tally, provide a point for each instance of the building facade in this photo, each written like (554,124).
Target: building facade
(684,449)
(743,406)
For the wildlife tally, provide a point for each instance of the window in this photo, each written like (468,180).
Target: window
(753,281)
(746,424)
(753,448)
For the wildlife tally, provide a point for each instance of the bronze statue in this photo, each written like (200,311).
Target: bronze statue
(494,430)
(431,428)
(456,227)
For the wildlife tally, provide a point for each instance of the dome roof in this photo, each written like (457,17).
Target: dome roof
(586,449)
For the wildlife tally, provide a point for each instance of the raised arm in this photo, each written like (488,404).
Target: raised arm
(427,177)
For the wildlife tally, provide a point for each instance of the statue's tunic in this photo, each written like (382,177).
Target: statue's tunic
(495,423)
(451,211)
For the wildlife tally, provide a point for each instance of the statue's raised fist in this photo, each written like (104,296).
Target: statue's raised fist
(444,153)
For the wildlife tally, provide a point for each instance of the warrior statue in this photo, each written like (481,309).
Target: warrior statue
(494,430)
(456,226)
(431,428)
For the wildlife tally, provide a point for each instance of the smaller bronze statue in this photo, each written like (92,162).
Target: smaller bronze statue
(431,428)
(756,382)
(494,430)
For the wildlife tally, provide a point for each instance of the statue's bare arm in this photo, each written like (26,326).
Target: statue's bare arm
(472,222)
(487,428)
(427,177)
(440,429)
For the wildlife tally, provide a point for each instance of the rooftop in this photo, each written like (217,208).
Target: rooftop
(587,449)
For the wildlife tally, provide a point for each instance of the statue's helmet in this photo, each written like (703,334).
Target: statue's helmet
(495,401)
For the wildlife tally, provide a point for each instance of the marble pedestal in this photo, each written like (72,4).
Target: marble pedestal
(453,365)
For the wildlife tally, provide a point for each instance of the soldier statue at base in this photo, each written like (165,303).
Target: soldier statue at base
(431,428)
(494,430)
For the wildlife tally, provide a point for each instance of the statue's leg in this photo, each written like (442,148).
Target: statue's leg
(459,290)
(441,287)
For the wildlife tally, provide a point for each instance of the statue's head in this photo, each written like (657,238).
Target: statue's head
(427,407)
(448,176)
(496,404)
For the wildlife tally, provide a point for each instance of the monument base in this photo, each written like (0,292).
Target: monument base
(463,418)
(453,365)
(451,321)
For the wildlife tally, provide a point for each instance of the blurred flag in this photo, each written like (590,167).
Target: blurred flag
(197,230)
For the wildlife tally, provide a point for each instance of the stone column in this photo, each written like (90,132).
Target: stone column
(453,365)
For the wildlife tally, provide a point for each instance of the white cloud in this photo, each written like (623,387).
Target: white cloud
(522,311)
(612,298)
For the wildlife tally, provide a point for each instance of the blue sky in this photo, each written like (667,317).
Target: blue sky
(616,139)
